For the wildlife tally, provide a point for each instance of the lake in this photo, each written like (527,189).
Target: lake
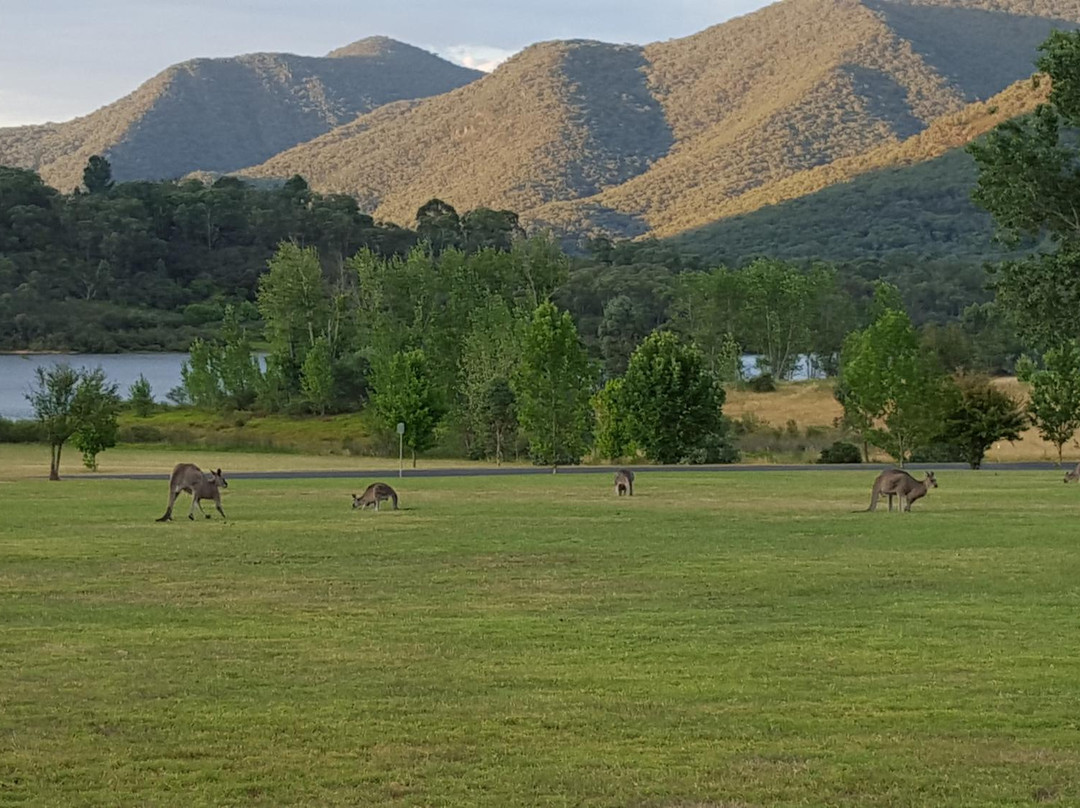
(162,370)
(17,374)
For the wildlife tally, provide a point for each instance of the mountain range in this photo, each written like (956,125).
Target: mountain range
(582,136)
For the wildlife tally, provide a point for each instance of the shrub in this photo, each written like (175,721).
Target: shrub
(840,452)
(21,431)
(765,383)
(938,452)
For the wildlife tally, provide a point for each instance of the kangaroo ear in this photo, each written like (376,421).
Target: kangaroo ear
(218,472)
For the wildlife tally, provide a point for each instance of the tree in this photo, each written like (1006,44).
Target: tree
(672,403)
(141,397)
(1055,393)
(294,305)
(553,381)
(97,176)
(403,393)
(68,401)
(236,365)
(438,224)
(1029,181)
(979,414)
(613,439)
(95,407)
(200,375)
(500,413)
(317,376)
(892,388)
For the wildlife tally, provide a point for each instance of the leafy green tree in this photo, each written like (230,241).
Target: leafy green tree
(141,397)
(53,400)
(490,352)
(672,402)
(620,332)
(613,439)
(96,407)
(552,382)
(500,414)
(484,228)
(97,176)
(295,306)
(438,224)
(1029,182)
(403,393)
(236,363)
(978,415)
(1055,393)
(201,377)
(317,376)
(892,387)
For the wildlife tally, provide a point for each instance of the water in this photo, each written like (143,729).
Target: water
(17,374)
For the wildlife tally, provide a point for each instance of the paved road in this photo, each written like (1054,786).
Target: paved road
(507,471)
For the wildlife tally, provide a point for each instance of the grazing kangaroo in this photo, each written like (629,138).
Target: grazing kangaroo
(624,482)
(373,495)
(1073,475)
(200,484)
(903,485)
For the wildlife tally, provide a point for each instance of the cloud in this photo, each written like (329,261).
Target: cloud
(478,57)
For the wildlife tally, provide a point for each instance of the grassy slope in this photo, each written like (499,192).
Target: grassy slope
(737,640)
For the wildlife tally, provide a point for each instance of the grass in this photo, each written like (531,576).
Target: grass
(740,639)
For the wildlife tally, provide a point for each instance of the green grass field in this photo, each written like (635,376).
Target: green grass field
(736,639)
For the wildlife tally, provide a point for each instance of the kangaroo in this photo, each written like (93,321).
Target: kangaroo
(200,484)
(903,485)
(1073,475)
(624,482)
(373,495)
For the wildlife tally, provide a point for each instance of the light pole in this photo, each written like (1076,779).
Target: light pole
(400,448)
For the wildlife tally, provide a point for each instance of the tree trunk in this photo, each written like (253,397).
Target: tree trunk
(54,462)
(413,457)
(498,447)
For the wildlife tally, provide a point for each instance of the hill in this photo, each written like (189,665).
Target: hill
(223,114)
(584,136)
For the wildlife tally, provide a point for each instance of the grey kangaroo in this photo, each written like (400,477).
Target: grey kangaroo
(200,484)
(903,485)
(373,495)
(624,482)
(1073,475)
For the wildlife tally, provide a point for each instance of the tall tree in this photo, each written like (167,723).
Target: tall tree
(892,386)
(1029,181)
(403,393)
(672,402)
(295,306)
(96,407)
(439,225)
(97,176)
(1055,393)
(553,382)
(978,415)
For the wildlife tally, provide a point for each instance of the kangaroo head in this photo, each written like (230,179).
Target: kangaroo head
(219,478)
(357,502)
(930,481)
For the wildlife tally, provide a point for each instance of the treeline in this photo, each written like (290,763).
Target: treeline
(151,265)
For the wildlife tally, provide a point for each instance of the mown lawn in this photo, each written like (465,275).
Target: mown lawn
(735,639)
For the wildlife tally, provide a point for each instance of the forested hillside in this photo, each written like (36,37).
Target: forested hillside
(587,137)
(224,114)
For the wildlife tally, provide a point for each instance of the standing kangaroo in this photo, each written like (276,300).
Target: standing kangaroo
(624,482)
(373,495)
(901,484)
(200,484)
(1073,475)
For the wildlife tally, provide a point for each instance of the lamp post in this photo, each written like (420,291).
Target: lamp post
(401,448)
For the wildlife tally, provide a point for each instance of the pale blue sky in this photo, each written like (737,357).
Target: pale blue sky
(62,58)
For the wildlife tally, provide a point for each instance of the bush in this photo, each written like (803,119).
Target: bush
(141,433)
(715,448)
(840,452)
(765,383)
(21,431)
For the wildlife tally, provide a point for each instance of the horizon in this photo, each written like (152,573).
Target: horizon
(135,43)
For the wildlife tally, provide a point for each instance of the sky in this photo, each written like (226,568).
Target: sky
(64,58)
